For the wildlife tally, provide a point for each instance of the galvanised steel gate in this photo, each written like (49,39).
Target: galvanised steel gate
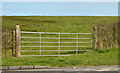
(54,44)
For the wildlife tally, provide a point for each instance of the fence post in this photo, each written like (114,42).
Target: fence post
(13,42)
(101,44)
(17,41)
(114,35)
(95,39)
(99,38)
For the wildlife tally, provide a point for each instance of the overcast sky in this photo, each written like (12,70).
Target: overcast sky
(60,0)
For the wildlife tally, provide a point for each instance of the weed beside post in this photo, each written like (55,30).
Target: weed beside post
(17,41)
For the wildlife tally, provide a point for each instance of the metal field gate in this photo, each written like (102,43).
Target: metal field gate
(54,44)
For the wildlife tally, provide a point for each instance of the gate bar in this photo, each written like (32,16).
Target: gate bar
(56,46)
(53,38)
(76,43)
(59,46)
(40,44)
(52,42)
(51,33)
(42,55)
(49,50)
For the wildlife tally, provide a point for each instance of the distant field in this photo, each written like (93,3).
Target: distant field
(63,24)
(72,24)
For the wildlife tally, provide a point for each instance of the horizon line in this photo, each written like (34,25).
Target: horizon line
(58,14)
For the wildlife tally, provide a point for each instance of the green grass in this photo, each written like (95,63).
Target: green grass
(66,24)
(63,24)
(91,58)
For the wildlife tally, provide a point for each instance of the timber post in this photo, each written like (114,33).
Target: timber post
(13,42)
(17,50)
(95,39)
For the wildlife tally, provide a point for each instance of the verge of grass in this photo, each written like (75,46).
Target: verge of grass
(91,58)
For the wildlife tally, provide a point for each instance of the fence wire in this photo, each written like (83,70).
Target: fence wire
(107,35)
(8,47)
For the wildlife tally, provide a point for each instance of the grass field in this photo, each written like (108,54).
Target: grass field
(91,58)
(72,24)
(68,24)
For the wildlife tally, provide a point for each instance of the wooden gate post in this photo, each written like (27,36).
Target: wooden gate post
(13,43)
(17,41)
(95,39)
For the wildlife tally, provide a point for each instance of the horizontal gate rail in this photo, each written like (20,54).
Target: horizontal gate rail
(55,46)
(42,55)
(52,42)
(50,50)
(54,38)
(52,33)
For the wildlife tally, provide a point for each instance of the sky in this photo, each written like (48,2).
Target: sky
(8,7)
(60,0)
(60,8)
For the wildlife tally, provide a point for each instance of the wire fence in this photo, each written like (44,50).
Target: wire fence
(8,46)
(107,35)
